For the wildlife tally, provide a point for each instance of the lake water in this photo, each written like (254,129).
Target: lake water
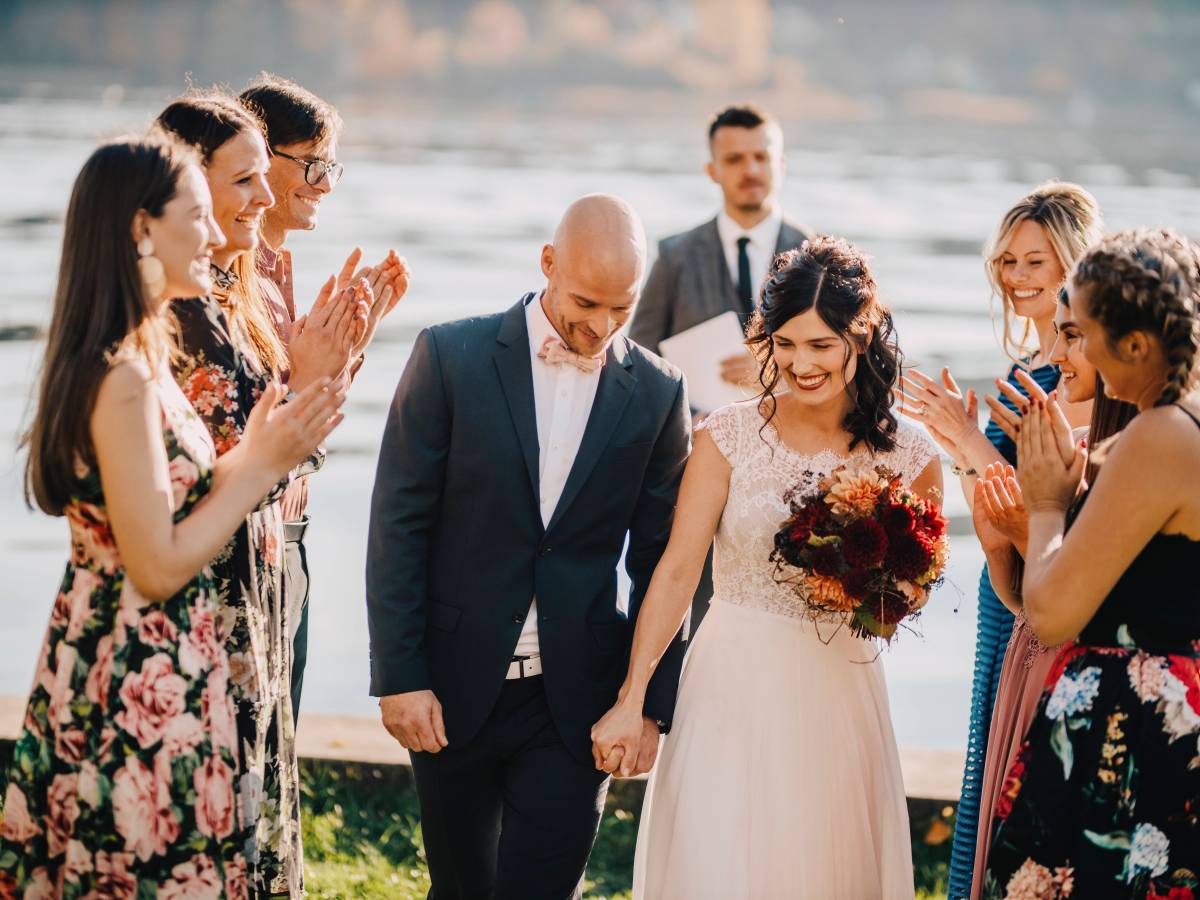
(469,202)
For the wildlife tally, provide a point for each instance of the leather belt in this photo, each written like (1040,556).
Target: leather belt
(524,667)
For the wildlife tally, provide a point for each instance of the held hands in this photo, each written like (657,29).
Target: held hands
(281,436)
(1050,464)
(415,720)
(947,413)
(624,742)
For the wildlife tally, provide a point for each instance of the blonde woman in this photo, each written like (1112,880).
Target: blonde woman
(1026,261)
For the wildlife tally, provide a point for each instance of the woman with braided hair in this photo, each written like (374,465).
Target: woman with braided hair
(1103,799)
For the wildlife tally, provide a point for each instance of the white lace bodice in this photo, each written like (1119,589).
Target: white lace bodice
(764,469)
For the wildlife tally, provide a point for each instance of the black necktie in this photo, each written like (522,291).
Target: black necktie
(744,289)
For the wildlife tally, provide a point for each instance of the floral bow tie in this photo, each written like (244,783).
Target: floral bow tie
(555,353)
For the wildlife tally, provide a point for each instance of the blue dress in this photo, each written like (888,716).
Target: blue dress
(993,629)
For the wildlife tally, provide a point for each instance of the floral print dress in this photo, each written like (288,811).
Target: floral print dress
(122,779)
(222,377)
(1103,799)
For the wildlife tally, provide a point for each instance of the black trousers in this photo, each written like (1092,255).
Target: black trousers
(511,815)
(295,579)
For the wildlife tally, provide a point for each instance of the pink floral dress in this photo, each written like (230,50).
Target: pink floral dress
(223,378)
(122,780)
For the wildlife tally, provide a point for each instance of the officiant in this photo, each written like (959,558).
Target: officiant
(720,266)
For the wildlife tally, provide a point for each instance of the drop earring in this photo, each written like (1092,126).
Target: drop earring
(154,277)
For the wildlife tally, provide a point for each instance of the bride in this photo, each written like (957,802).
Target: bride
(780,778)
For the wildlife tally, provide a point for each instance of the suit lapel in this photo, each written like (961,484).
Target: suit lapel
(613,393)
(719,293)
(516,380)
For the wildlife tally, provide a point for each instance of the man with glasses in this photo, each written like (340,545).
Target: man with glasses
(302,132)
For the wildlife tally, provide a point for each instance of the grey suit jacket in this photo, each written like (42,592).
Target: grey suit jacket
(689,283)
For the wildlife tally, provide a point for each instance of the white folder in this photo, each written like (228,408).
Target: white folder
(699,351)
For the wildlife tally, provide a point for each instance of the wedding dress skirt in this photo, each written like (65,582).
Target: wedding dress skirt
(780,778)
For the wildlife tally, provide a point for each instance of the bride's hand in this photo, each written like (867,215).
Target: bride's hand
(617,738)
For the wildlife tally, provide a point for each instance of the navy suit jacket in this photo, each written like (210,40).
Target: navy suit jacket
(457,547)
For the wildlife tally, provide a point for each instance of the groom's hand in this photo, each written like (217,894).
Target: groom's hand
(415,720)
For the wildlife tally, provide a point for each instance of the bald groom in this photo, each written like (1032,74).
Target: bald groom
(521,450)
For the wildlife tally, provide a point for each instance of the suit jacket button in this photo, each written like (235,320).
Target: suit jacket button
(543,551)
(519,619)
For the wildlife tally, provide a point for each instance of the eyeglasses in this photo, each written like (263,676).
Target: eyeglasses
(316,169)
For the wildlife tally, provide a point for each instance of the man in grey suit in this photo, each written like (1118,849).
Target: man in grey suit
(721,265)
(521,451)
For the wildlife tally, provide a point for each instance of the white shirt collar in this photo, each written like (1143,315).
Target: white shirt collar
(765,234)
(538,324)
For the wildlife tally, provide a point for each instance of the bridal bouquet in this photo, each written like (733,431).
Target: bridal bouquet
(863,547)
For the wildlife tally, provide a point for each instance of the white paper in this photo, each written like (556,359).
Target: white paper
(699,351)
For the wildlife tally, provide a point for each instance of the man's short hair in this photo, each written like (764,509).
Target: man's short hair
(745,116)
(291,114)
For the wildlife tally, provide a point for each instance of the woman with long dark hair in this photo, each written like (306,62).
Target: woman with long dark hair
(780,777)
(1101,800)
(122,779)
(230,354)
(1002,525)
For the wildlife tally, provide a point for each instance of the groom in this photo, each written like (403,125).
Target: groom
(520,451)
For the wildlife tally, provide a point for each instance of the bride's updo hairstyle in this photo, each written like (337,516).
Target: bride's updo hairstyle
(831,274)
(1148,280)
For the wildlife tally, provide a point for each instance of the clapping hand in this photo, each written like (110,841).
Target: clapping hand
(947,413)
(624,741)
(1003,504)
(281,436)
(1007,420)
(1050,464)
(389,282)
(322,341)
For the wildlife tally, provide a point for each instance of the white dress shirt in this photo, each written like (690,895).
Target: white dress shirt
(562,399)
(764,238)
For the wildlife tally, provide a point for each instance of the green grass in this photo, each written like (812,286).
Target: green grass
(362,837)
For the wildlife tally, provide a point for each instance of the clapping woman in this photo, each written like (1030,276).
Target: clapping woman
(1026,262)
(122,779)
(1102,798)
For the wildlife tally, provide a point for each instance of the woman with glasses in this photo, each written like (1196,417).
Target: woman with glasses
(230,355)
(302,132)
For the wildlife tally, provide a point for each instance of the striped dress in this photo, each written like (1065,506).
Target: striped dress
(993,629)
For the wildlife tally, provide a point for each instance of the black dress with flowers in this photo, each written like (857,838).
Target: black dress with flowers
(1104,797)
(223,378)
(123,776)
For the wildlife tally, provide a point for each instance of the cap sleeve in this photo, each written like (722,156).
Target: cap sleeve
(725,426)
(913,452)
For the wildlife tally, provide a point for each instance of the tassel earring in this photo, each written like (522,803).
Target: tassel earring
(154,277)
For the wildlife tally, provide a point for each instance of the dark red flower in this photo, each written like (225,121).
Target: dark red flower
(1012,787)
(800,526)
(932,523)
(889,607)
(825,559)
(1066,653)
(857,583)
(910,556)
(865,543)
(897,518)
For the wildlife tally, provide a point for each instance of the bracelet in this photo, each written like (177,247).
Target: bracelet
(961,472)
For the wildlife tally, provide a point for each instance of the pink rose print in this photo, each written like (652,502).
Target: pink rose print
(89,784)
(184,476)
(100,675)
(217,709)
(62,811)
(80,600)
(58,710)
(92,540)
(70,745)
(40,886)
(79,861)
(151,697)
(182,734)
(194,880)
(199,648)
(157,630)
(142,810)
(113,880)
(214,798)
(236,885)
(17,826)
